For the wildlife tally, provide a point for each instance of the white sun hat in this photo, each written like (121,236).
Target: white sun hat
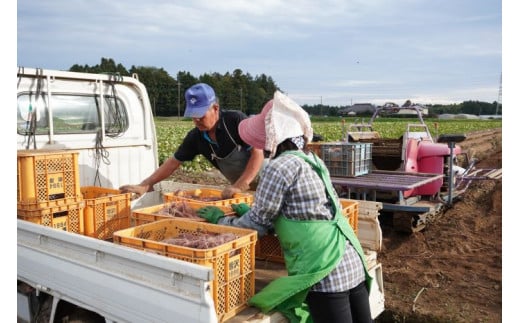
(285,120)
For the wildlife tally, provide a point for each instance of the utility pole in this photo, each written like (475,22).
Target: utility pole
(179,100)
(321,105)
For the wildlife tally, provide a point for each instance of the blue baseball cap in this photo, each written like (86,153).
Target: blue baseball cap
(199,98)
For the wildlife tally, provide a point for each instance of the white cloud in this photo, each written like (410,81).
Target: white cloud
(330,49)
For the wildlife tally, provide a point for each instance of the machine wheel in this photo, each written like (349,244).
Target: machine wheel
(407,222)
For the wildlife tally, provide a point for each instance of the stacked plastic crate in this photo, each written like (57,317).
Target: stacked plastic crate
(185,203)
(48,189)
(268,247)
(228,250)
(347,159)
(106,211)
(168,210)
(208,197)
(174,230)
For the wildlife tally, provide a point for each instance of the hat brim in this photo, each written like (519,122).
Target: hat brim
(252,131)
(198,112)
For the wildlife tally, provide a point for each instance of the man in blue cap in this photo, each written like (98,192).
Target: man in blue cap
(216,137)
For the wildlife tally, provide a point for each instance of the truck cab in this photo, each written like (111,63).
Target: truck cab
(106,117)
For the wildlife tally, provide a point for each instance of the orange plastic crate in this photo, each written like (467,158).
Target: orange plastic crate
(106,211)
(233,262)
(47,178)
(268,247)
(224,204)
(152,213)
(315,148)
(350,209)
(64,217)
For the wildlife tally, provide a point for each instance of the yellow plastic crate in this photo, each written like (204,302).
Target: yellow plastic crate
(315,147)
(151,213)
(350,209)
(224,204)
(64,217)
(233,262)
(47,178)
(106,210)
(268,247)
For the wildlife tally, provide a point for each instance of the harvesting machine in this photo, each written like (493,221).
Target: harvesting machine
(416,176)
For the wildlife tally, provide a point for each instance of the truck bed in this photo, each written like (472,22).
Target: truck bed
(124,284)
(120,283)
(129,285)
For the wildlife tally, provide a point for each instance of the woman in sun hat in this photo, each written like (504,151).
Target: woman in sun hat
(216,137)
(327,280)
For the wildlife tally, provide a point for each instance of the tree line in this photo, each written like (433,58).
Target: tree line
(237,91)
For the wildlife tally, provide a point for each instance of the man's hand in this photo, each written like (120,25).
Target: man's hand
(229,191)
(211,213)
(240,208)
(139,190)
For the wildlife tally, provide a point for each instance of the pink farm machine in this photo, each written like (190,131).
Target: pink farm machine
(415,176)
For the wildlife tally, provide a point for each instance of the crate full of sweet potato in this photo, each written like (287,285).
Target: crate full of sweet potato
(228,250)
(208,197)
(174,209)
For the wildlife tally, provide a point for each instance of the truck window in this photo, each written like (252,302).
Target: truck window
(70,114)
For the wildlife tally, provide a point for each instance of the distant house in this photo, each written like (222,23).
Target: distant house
(405,111)
(358,108)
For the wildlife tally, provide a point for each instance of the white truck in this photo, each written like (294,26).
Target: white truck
(66,276)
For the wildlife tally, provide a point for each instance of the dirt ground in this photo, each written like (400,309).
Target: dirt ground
(452,270)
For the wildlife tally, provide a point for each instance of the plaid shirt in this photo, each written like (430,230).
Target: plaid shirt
(289,186)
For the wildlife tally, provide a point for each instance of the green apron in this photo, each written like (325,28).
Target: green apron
(308,260)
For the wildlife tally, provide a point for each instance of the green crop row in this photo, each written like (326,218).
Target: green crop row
(171,131)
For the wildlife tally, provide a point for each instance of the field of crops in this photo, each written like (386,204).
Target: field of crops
(171,131)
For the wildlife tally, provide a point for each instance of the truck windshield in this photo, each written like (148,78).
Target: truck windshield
(70,114)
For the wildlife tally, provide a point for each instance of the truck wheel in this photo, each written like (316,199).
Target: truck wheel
(43,310)
(83,316)
(71,313)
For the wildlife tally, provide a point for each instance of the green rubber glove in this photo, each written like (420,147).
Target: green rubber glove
(211,213)
(240,208)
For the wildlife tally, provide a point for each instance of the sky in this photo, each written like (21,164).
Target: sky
(331,52)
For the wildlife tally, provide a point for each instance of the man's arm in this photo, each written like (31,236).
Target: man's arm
(252,168)
(248,175)
(164,171)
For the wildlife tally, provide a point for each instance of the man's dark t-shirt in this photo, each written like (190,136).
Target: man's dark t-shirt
(195,143)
